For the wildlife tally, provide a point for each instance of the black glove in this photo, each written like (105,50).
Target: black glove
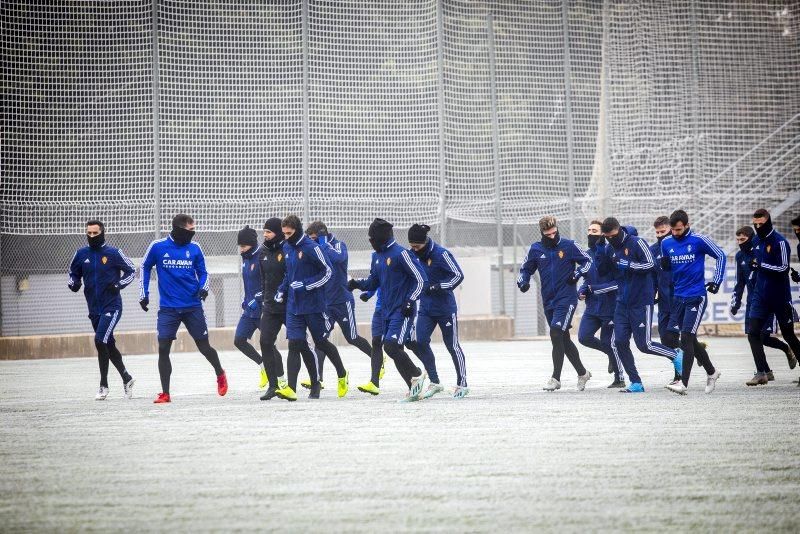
(364,297)
(665,263)
(712,287)
(408,308)
(113,288)
(433,288)
(754,264)
(588,290)
(524,288)
(144,302)
(795,275)
(734,309)
(75,287)
(352,285)
(202,294)
(573,279)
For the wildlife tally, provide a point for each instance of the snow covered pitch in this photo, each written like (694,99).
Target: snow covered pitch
(508,457)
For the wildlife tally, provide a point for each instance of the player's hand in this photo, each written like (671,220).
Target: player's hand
(573,279)
(623,264)
(408,308)
(113,288)
(202,294)
(74,287)
(795,275)
(755,264)
(352,285)
(279,297)
(297,284)
(665,264)
(712,287)
(322,240)
(433,288)
(144,303)
(364,297)
(581,296)
(524,287)
(734,310)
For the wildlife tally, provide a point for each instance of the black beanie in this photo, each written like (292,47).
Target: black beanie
(247,236)
(418,233)
(273,225)
(380,232)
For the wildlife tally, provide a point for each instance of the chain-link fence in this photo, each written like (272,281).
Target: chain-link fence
(474,117)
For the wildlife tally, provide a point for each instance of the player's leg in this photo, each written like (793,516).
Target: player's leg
(195,322)
(347,322)
(607,332)
(241,340)
(757,348)
(102,359)
(269,327)
(296,334)
(420,345)
(641,321)
(449,328)
(315,322)
(786,316)
(104,340)
(622,340)
(167,324)
(587,329)
(768,340)
(395,330)
(571,351)
(376,356)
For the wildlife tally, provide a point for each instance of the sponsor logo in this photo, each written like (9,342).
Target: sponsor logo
(641,325)
(448,324)
(166,254)
(558,323)
(693,309)
(108,315)
(86,261)
(542,257)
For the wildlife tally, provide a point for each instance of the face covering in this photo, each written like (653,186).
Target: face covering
(182,236)
(595,240)
(96,241)
(295,237)
(273,243)
(661,238)
(764,230)
(681,235)
(616,241)
(550,242)
(747,246)
(797,234)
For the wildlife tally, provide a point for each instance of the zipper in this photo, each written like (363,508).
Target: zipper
(94,274)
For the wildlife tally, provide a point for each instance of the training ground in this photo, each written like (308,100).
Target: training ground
(510,457)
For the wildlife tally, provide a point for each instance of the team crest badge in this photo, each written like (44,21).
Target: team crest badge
(104,260)
(769,247)
(252,266)
(280,257)
(300,255)
(429,262)
(561,254)
(626,251)
(689,248)
(388,261)
(187,254)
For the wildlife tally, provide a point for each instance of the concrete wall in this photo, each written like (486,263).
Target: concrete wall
(144,342)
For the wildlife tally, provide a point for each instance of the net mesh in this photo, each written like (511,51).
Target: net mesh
(240,110)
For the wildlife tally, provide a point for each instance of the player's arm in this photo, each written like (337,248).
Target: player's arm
(783,257)
(125,265)
(75,273)
(529,266)
(738,288)
(323,275)
(337,254)
(713,250)
(202,273)
(449,264)
(646,264)
(605,287)
(412,267)
(144,273)
(583,260)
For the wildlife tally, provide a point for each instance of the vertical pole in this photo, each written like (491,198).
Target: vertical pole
(156,125)
(306,176)
(440,106)
(694,104)
(605,116)
(568,119)
(498,212)
(515,271)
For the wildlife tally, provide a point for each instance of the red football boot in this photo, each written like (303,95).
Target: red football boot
(162,398)
(222,384)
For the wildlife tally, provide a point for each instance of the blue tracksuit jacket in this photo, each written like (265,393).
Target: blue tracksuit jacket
(441,268)
(181,271)
(687,261)
(602,300)
(336,290)
(772,278)
(251,276)
(399,275)
(100,268)
(662,278)
(633,265)
(555,266)
(307,264)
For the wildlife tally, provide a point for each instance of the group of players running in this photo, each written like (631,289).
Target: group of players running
(299,280)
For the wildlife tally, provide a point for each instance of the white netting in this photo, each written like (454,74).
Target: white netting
(231,111)
(77,116)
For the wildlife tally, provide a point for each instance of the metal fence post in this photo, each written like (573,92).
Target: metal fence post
(440,106)
(156,125)
(498,211)
(306,145)
(568,119)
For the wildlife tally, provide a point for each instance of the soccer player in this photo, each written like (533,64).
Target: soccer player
(796,230)
(745,279)
(600,294)
(377,359)
(561,263)
(684,253)
(339,302)
(182,287)
(401,282)
(250,251)
(438,308)
(630,258)
(307,272)
(772,294)
(105,271)
(663,282)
